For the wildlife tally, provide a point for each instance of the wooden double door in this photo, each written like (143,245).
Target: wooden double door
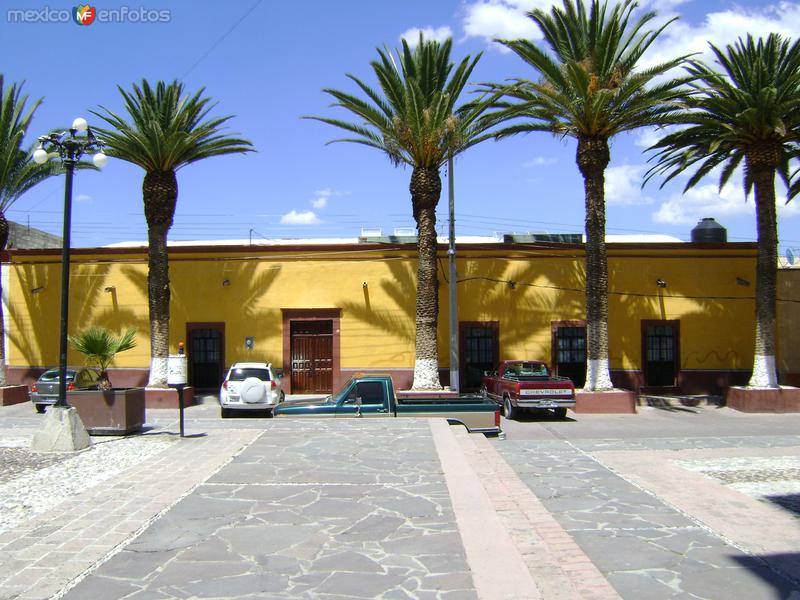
(312,356)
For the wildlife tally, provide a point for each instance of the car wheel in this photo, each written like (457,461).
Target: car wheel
(282,398)
(484,392)
(509,412)
(560,413)
(40,408)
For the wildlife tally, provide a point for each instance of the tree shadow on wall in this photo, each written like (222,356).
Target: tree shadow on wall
(399,318)
(674,298)
(35,316)
(237,302)
(524,298)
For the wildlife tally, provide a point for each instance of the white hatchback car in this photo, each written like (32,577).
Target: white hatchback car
(250,386)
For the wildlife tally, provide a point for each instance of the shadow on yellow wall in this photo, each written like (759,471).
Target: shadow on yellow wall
(34,325)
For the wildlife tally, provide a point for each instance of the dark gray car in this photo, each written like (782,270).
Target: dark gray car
(45,391)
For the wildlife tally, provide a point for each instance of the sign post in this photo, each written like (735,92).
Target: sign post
(176,376)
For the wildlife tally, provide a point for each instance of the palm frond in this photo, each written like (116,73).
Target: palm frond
(18,172)
(588,84)
(748,112)
(414,114)
(166,129)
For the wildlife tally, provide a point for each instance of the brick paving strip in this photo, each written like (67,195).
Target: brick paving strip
(498,570)
(561,570)
(44,556)
(645,544)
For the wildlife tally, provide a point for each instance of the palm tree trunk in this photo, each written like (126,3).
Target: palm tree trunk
(160,194)
(764,372)
(592,157)
(3,243)
(425,187)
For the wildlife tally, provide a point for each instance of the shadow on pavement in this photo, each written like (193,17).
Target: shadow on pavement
(789,502)
(780,571)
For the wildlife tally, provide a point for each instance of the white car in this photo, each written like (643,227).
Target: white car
(250,386)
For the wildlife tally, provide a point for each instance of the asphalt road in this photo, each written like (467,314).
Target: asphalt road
(652,422)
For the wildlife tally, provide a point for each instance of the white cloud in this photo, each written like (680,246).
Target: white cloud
(647,136)
(540,161)
(322,197)
(438,34)
(503,19)
(722,28)
(707,201)
(624,185)
(83,198)
(300,218)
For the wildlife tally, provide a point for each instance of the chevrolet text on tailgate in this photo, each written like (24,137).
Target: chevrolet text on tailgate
(373,396)
(527,384)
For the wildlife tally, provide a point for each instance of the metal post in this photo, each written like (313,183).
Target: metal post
(69,165)
(180,404)
(451,254)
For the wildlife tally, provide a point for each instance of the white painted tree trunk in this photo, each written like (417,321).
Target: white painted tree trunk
(158,372)
(764,373)
(598,376)
(426,375)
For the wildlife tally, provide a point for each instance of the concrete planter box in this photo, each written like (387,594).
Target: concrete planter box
(109,412)
(780,400)
(611,402)
(13,394)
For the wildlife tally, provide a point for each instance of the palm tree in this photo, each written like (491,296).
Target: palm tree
(18,172)
(167,130)
(414,120)
(589,88)
(748,114)
(99,346)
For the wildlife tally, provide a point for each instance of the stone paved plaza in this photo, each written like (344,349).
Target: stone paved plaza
(685,504)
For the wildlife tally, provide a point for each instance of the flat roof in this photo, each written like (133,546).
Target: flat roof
(461,239)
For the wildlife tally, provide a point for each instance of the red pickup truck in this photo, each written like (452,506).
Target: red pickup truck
(527,385)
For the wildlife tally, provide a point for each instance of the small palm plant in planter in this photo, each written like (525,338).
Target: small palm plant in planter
(107,411)
(100,346)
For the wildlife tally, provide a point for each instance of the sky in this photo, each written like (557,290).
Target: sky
(266,62)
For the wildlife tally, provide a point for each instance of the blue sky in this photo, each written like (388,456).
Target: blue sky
(266,63)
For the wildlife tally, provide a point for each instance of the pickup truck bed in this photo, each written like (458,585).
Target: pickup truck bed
(374,397)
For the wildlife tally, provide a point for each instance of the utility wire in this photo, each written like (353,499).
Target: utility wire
(220,40)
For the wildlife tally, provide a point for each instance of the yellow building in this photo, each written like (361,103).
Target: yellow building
(680,314)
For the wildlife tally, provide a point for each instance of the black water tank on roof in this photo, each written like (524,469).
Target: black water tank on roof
(708,231)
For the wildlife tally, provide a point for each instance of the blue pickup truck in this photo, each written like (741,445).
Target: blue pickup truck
(373,396)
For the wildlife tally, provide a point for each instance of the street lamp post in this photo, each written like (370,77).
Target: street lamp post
(69,146)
